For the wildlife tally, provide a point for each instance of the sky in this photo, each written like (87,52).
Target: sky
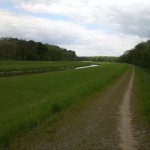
(89,27)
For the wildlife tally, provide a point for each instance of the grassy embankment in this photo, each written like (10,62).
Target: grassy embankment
(24,66)
(141,107)
(12,68)
(26,100)
(143,91)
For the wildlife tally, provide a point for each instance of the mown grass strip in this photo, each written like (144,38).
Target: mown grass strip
(26,100)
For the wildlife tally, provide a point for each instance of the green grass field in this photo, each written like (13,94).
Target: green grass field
(27,100)
(27,65)
(143,91)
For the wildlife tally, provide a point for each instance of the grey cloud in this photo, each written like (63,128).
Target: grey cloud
(34,1)
(128,17)
(128,29)
(133,22)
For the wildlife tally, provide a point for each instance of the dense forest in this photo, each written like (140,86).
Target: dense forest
(139,55)
(98,58)
(18,49)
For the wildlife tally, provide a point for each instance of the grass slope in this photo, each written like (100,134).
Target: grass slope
(27,65)
(143,91)
(141,108)
(25,100)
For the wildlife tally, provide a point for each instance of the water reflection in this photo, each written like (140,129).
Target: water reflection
(87,67)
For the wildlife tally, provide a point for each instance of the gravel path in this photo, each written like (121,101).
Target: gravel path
(127,139)
(89,126)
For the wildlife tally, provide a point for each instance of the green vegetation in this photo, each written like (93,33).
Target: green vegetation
(99,58)
(140,55)
(27,65)
(27,100)
(143,91)
(16,49)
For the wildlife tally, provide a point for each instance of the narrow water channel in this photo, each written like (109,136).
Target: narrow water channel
(86,66)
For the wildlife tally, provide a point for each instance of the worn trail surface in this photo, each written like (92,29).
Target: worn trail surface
(97,124)
(126,132)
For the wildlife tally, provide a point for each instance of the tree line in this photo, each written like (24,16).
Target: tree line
(139,55)
(99,58)
(19,49)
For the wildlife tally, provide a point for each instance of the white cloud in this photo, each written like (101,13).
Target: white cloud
(122,24)
(130,16)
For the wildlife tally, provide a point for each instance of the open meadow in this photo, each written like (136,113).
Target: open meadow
(26,100)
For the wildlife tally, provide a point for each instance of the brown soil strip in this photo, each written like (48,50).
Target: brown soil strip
(90,124)
(126,132)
